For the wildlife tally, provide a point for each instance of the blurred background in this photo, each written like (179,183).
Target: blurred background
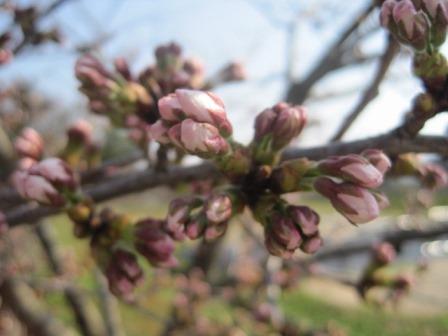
(281,43)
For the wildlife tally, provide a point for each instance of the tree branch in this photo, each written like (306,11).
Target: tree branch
(372,91)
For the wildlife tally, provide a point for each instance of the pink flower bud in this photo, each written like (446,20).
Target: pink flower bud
(122,67)
(355,203)
(198,138)
(214,231)
(36,188)
(123,273)
(80,131)
(386,16)
(159,132)
(154,243)
(177,218)
(306,218)
(168,56)
(384,253)
(352,168)
(311,244)
(29,144)
(282,123)
(218,208)
(382,200)
(234,71)
(378,159)
(91,72)
(56,172)
(282,236)
(194,67)
(404,13)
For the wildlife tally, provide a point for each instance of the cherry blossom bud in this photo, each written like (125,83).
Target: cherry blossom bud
(352,168)
(154,243)
(378,159)
(123,273)
(179,216)
(198,138)
(306,218)
(122,67)
(29,144)
(56,172)
(159,132)
(355,203)
(91,72)
(80,132)
(311,244)
(282,236)
(434,176)
(386,16)
(214,230)
(36,188)
(279,125)
(384,253)
(412,26)
(218,208)
(195,70)
(383,201)
(234,71)
(200,106)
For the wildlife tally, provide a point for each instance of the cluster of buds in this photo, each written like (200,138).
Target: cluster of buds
(50,182)
(29,144)
(110,93)
(194,121)
(275,127)
(359,173)
(154,243)
(421,24)
(288,228)
(208,217)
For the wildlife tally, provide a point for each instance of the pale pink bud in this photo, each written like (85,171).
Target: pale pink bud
(194,66)
(122,67)
(355,203)
(218,208)
(282,122)
(383,201)
(178,215)
(206,107)
(170,108)
(386,12)
(154,243)
(29,144)
(198,138)
(234,71)
(215,231)
(352,168)
(306,218)
(384,253)
(36,188)
(55,171)
(404,12)
(311,244)
(80,131)
(378,159)
(159,132)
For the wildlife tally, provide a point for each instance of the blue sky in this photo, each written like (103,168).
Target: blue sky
(253,31)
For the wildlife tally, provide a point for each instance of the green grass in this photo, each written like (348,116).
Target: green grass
(310,312)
